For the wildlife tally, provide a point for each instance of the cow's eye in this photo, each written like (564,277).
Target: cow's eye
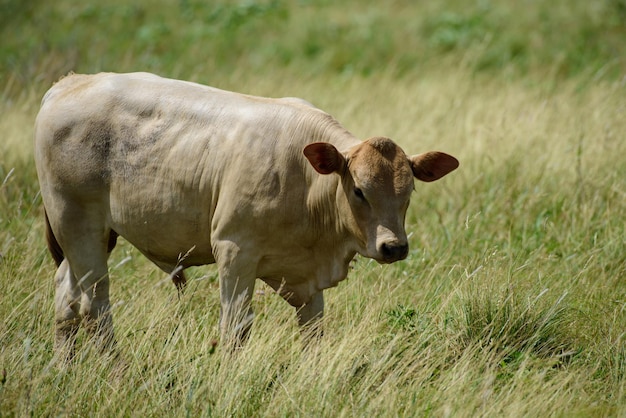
(359,193)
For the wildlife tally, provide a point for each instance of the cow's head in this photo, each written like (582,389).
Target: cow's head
(376,184)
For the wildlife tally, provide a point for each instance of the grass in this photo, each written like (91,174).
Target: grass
(224,39)
(512,301)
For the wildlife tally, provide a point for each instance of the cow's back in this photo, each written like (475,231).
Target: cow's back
(109,124)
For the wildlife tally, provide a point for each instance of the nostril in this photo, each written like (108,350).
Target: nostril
(385,250)
(394,251)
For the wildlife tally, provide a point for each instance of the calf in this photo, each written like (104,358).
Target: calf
(265,188)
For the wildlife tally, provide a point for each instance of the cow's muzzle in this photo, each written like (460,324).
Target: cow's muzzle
(393,251)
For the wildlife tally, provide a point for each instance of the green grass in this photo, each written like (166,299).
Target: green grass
(512,301)
(221,40)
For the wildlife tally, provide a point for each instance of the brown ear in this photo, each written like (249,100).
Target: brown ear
(324,157)
(432,165)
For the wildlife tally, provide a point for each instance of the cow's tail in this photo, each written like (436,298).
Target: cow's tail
(53,244)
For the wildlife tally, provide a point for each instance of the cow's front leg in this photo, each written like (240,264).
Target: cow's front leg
(310,317)
(236,314)
(237,278)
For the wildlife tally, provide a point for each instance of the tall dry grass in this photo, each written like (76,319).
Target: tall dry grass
(512,301)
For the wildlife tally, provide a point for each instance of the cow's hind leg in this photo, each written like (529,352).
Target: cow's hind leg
(67,307)
(67,298)
(95,308)
(82,295)
(82,283)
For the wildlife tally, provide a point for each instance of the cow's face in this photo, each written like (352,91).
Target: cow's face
(377,187)
(376,184)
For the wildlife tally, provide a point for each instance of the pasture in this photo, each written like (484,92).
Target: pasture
(512,301)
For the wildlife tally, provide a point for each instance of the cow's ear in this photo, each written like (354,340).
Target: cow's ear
(433,165)
(324,157)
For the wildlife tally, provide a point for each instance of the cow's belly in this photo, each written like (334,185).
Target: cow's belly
(167,239)
(166,248)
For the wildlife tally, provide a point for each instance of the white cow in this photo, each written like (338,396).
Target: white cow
(266,188)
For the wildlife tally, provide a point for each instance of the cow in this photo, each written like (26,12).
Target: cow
(190,175)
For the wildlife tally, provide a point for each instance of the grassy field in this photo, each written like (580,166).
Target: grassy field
(512,301)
